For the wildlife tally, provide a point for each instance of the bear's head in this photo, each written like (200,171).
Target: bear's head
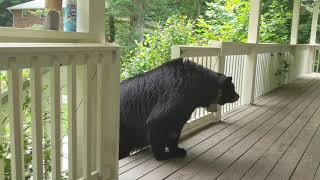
(226,92)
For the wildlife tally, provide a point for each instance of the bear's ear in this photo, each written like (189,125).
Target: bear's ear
(223,80)
(229,79)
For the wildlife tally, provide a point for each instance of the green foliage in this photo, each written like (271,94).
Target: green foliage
(225,20)
(276,22)
(119,12)
(160,10)
(305,22)
(5,15)
(156,48)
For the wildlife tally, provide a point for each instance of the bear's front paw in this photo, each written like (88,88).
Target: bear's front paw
(162,156)
(178,152)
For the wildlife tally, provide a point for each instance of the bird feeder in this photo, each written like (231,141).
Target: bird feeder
(52,20)
(53,5)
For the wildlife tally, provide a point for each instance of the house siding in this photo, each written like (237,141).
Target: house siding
(24,22)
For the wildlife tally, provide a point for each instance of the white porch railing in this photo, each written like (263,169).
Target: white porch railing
(92,77)
(272,69)
(234,67)
(275,65)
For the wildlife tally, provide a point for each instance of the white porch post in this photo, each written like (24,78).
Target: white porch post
(222,60)
(295,22)
(90,18)
(294,38)
(109,116)
(251,60)
(313,38)
(314,25)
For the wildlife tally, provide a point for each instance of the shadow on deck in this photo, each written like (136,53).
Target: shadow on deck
(278,138)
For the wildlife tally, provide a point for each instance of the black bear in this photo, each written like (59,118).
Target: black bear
(154,106)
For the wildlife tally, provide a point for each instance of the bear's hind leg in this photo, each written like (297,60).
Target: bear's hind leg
(159,122)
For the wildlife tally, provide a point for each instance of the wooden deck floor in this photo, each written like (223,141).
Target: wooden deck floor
(277,139)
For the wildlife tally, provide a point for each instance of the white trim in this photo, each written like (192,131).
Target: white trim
(30,35)
(194,51)
(20,48)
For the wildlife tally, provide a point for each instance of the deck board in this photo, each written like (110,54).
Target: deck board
(278,138)
(212,169)
(309,163)
(216,167)
(269,159)
(237,170)
(188,143)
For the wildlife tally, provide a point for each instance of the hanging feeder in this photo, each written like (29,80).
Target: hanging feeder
(52,20)
(53,5)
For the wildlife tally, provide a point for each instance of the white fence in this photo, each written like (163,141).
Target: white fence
(234,67)
(275,65)
(90,120)
(301,60)
(272,71)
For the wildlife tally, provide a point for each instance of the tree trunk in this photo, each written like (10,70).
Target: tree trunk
(137,19)
(112,28)
(198,8)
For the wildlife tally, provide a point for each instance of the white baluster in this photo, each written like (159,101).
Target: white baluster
(36,105)
(55,120)
(16,147)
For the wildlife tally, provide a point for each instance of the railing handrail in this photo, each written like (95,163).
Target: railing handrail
(6,48)
(196,51)
(231,48)
(238,58)
(45,54)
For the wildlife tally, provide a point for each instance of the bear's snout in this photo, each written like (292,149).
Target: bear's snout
(235,98)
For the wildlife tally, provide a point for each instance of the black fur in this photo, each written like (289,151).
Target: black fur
(155,105)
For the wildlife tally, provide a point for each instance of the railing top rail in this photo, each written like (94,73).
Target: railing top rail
(273,48)
(316,46)
(25,55)
(217,48)
(198,51)
(6,48)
